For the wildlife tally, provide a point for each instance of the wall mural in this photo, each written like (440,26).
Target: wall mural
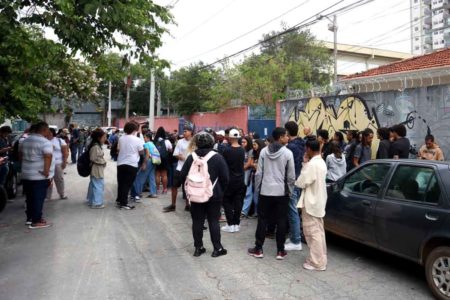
(423,111)
(350,114)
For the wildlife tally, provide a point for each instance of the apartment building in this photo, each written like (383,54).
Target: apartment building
(430,25)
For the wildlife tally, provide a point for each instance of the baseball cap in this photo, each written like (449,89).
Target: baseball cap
(234,133)
(221,132)
(188,128)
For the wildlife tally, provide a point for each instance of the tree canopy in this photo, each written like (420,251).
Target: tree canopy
(35,68)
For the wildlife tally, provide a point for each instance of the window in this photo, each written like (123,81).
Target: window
(414,184)
(367,180)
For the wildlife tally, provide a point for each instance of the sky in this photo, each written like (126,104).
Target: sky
(205,28)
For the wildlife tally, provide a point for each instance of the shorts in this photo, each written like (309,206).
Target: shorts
(163,166)
(177,182)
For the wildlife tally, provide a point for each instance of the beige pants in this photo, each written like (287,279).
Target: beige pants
(58,181)
(315,238)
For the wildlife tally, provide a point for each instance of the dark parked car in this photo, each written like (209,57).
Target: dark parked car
(401,207)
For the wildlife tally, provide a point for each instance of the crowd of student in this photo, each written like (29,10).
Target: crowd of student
(273,177)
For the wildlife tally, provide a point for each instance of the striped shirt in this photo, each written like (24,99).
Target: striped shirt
(33,149)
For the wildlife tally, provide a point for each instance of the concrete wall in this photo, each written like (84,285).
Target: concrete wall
(231,117)
(422,110)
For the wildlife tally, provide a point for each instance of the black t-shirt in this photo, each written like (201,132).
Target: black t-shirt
(401,148)
(234,157)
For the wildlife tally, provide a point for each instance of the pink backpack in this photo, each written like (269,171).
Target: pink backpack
(198,185)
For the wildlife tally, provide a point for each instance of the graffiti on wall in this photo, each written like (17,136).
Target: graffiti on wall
(423,111)
(350,114)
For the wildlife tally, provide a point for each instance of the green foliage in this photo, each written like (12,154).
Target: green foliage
(34,69)
(191,88)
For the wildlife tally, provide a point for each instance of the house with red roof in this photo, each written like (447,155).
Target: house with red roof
(419,71)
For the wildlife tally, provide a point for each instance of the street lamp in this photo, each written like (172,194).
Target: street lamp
(333,27)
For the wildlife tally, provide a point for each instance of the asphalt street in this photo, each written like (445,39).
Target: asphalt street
(147,254)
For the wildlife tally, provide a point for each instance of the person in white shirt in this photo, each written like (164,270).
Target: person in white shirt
(181,152)
(312,202)
(36,153)
(131,149)
(60,155)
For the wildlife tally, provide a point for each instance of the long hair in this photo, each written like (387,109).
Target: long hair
(249,143)
(335,148)
(96,136)
(160,133)
(261,145)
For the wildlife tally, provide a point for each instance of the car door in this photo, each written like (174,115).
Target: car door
(351,205)
(409,210)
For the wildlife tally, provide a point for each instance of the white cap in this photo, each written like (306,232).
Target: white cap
(234,133)
(220,132)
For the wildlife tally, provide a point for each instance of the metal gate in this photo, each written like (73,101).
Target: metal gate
(262,127)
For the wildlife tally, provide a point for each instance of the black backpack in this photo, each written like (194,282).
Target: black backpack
(84,165)
(162,149)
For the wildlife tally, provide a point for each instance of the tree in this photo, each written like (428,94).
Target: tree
(191,88)
(294,60)
(33,68)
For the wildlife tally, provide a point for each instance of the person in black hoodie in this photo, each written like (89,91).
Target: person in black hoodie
(218,170)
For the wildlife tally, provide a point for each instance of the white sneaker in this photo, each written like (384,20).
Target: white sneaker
(293,247)
(237,228)
(137,198)
(228,228)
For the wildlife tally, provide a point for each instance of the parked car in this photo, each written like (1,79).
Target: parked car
(401,207)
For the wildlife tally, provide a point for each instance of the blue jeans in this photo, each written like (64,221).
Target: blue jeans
(142,177)
(95,191)
(294,218)
(152,178)
(4,169)
(35,192)
(248,200)
(73,152)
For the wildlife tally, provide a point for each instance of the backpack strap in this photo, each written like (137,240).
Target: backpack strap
(209,155)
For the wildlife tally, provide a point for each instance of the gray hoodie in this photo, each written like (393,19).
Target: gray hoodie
(275,175)
(337,167)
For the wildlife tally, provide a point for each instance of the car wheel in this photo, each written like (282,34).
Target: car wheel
(11,187)
(437,271)
(3,198)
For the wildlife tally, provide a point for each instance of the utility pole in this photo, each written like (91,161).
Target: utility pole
(158,101)
(128,83)
(151,114)
(333,27)
(109,104)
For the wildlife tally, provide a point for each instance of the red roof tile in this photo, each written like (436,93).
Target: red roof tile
(439,58)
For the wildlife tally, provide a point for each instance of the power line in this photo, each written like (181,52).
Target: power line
(376,16)
(295,27)
(247,33)
(206,20)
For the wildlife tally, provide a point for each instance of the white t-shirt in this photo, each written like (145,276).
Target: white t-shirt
(181,148)
(33,149)
(57,154)
(129,147)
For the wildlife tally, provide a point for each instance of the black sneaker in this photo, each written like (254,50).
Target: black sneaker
(281,255)
(220,252)
(126,206)
(199,251)
(187,208)
(169,208)
(255,252)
